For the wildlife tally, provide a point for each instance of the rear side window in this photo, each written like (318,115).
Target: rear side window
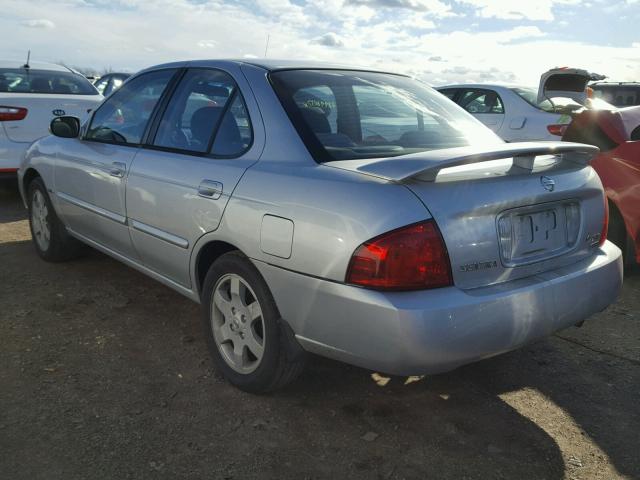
(620,97)
(26,80)
(123,117)
(206,113)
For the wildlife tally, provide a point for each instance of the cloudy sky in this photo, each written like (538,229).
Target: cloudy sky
(439,41)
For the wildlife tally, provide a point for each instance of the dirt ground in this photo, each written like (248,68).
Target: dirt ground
(104,373)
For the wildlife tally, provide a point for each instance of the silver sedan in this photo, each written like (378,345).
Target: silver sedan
(354,214)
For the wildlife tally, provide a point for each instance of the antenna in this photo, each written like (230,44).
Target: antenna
(26,65)
(266,46)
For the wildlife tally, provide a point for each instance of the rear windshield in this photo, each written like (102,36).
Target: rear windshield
(559,105)
(22,80)
(530,95)
(343,115)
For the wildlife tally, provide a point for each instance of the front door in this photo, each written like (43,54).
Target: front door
(91,173)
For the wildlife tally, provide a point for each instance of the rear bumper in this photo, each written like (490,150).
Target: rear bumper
(10,155)
(433,331)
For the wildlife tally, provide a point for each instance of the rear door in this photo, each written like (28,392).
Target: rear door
(182,180)
(91,172)
(484,104)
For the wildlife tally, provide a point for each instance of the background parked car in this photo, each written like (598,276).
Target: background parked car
(617,134)
(519,113)
(512,111)
(620,94)
(110,82)
(30,96)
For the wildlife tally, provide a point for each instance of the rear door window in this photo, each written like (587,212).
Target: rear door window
(123,117)
(450,93)
(481,101)
(206,113)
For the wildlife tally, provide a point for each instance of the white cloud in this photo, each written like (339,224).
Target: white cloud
(518,9)
(207,43)
(434,7)
(395,35)
(329,40)
(38,23)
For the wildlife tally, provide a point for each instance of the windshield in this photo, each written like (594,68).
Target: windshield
(555,105)
(24,80)
(344,115)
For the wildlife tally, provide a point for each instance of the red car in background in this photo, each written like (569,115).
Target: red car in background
(617,134)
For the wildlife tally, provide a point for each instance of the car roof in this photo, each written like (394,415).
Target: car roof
(615,84)
(270,64)
(116,74)
(35,66)
(484,85)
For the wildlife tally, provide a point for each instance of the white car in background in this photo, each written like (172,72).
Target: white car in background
(30,96)
(519,113)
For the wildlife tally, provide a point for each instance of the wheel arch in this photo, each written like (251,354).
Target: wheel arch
(29,175)
(615,214)
(205,256)
(629,238)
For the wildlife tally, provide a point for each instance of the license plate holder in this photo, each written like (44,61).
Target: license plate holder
(538,232)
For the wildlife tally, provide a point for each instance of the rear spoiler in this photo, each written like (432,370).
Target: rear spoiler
(426,165)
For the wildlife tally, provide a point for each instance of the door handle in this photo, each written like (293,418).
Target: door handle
(117,169)
(210,189)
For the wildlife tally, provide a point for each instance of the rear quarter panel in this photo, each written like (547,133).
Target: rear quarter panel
(619,170)
(332,211)
(535,120)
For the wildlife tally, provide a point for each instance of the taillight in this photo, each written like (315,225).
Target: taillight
(8,114)
(409,258)
(605,223)
(557,129)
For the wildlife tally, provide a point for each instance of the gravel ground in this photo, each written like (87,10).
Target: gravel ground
(104,373)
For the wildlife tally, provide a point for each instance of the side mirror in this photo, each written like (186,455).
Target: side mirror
(65,127)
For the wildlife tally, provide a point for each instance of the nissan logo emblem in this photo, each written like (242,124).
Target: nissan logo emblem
(548,183)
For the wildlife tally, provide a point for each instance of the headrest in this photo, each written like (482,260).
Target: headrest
(316,119)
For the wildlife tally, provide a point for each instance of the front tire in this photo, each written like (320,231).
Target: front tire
(50,237)
(246,336)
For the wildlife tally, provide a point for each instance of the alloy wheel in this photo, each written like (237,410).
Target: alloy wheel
(40,221)
(237,323)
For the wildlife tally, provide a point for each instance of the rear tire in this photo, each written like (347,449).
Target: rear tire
(247,339)
(50,237)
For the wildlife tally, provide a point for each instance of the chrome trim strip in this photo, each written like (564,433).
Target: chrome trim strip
(93,208)
(160,234)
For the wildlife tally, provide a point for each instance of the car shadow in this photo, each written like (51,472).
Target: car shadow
(11,207)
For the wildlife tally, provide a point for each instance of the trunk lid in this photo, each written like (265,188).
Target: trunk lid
(505,213)
(42,108)
(566,83)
